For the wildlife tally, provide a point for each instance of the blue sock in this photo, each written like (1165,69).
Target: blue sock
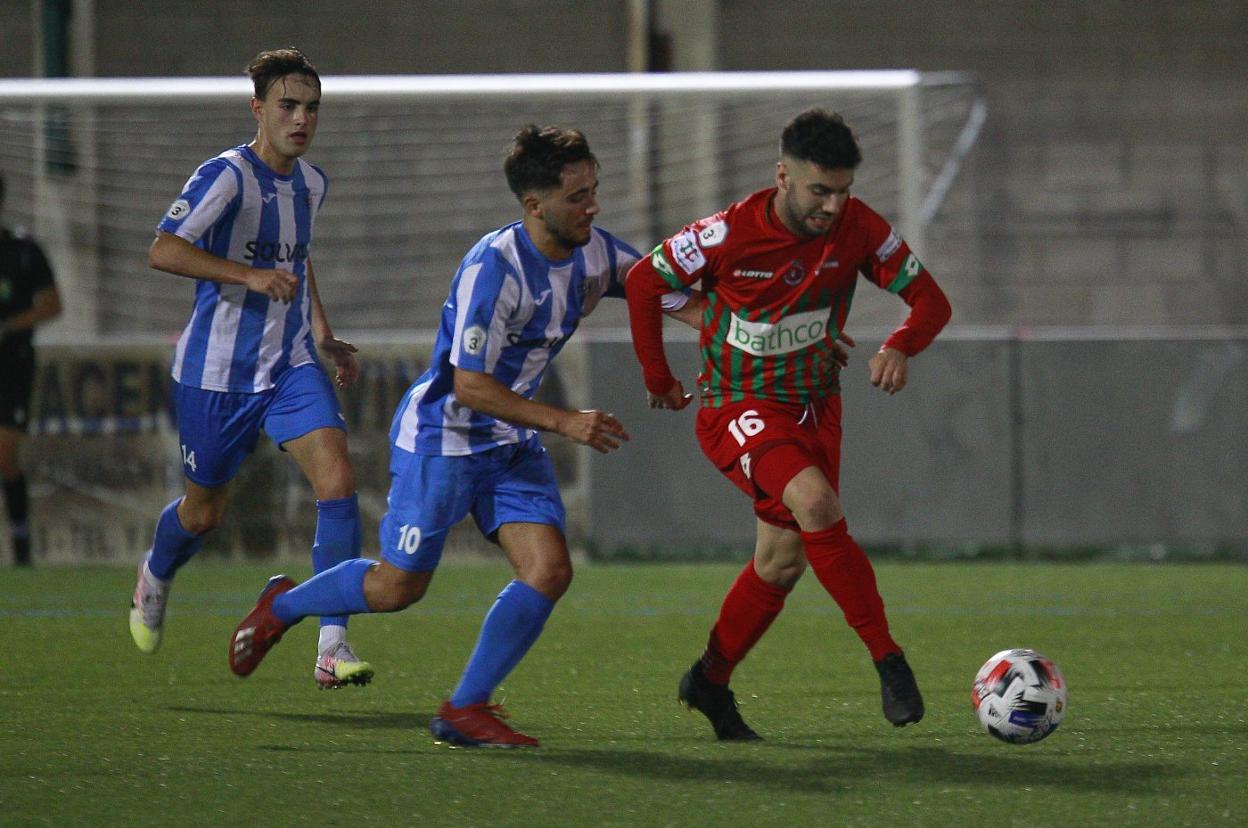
(173,546)
(337,591)
(337,540)
(511,626)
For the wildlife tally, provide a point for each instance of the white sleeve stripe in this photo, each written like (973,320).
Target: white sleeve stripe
(508,297)
(463,298)
(210,207)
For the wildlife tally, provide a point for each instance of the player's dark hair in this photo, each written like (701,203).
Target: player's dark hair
(822,138)
(539,154)
(270,66)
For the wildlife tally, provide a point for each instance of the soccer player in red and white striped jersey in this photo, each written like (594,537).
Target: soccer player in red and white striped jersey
(778,271)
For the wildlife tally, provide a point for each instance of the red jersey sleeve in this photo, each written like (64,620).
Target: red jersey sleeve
(644,289)
(675,264)
(929,313)
(892,266)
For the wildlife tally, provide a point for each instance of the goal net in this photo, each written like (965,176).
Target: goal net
(415,169)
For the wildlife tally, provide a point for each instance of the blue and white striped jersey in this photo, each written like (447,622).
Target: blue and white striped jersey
(509,312)
(236,207)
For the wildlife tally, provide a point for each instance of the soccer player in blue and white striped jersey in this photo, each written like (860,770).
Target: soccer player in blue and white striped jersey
(247,359)
(465,437)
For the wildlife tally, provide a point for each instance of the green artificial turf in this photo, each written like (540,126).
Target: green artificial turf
(92,732)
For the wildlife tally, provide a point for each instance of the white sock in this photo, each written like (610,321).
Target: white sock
(154,584)
(331,636)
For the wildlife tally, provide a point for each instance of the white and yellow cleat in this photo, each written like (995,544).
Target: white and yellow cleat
(339,667)
(147,610)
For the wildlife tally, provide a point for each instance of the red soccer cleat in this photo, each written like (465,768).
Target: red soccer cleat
(477,725)
(260,630)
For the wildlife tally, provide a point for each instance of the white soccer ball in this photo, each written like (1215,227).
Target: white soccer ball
(1019,696)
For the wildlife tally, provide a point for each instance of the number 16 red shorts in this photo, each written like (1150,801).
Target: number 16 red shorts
(737,437)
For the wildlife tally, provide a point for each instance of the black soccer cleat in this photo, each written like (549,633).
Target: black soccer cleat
(717,703)
(899,693)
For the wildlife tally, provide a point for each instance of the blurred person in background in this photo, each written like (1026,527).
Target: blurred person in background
(465,436)
(28,298)
(778,271)
(247,360)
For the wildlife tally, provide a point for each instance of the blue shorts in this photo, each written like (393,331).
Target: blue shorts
(218,429)
(429,494)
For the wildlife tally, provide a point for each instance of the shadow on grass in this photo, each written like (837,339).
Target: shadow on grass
(844,768)
(356,718)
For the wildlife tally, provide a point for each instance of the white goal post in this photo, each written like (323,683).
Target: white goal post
(415,168)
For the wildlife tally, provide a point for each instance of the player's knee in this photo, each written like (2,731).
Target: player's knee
(390,589)
(815,511)
(202,519)
(553,578)
(401,596)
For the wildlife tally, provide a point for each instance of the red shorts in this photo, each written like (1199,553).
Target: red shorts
(739,436)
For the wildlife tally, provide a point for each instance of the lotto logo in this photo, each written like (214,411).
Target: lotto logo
(661,264)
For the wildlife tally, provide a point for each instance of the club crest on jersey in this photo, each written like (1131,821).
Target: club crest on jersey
(795,273)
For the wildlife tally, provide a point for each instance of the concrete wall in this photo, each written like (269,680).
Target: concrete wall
(1111,177)
(996,442)
(381,37)
(1042,443)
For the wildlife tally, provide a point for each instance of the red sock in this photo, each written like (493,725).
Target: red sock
(845,572)
(748,610)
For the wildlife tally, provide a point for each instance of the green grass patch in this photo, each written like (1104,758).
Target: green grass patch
(94,733)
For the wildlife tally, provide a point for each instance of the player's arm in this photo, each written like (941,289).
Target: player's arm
(347,370)
(45,303)
(929,313)
(174,254)
(684,305)
(690,311)
(483,393)
(892,266)
(652,278)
